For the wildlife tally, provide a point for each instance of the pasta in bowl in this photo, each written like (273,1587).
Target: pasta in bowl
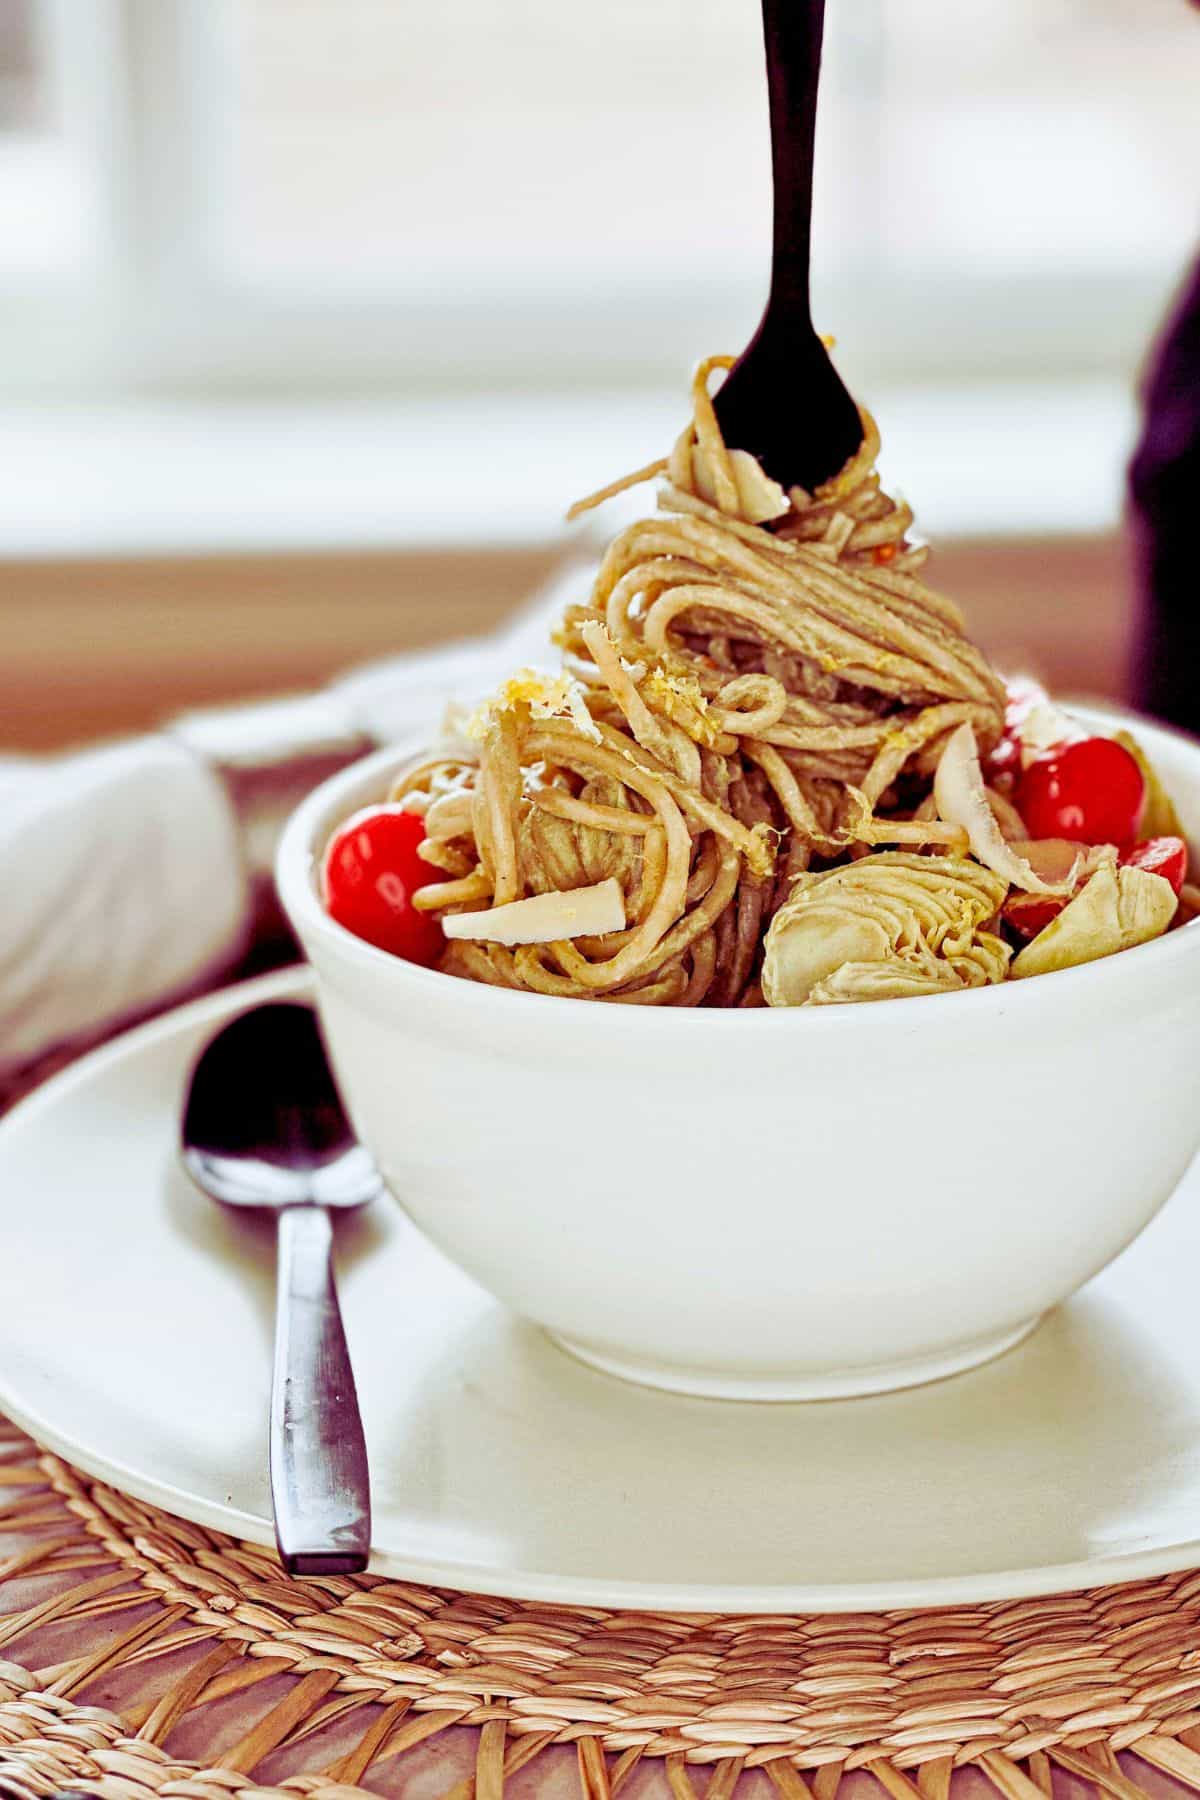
(760,697)
(768,1202)
(773,780)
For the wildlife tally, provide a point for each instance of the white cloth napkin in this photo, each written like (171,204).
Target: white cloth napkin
(127,865)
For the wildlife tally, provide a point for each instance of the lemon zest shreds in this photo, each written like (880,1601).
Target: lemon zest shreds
(547,696)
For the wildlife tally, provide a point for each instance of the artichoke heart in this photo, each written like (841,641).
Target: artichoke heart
(1159,818)
(1117,909)
(888,926)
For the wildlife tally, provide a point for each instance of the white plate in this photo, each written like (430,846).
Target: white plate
(135,1321)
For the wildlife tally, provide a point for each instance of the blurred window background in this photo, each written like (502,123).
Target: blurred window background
(47,204)
(301,194)
(281,278)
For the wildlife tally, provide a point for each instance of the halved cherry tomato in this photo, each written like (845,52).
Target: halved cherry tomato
(1091,792)
(371,872)
(1031,913)
(1165,856)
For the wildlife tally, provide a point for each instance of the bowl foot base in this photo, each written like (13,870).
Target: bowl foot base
(835,1384)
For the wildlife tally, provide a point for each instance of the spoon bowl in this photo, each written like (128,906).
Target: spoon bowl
(287,1140)
(264,1127)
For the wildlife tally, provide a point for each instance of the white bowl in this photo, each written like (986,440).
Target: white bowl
(769,1204)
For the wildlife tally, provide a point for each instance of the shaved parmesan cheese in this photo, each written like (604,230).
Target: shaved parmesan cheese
(961,799)
(759,498)
(1044,728)
(544,918)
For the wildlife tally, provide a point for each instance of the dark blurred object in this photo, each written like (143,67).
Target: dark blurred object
(1165,488)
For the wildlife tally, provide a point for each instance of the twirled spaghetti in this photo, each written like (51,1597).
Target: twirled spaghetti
(757,681)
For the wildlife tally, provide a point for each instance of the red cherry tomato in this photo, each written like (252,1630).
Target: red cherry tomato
(371,872)
(1165,856)
(1091,791)
(1031,913)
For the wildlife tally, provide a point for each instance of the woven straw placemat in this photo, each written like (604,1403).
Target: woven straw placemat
(147,1657)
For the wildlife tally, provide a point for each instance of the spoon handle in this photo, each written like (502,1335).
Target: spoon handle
(320,1487)
(792,31)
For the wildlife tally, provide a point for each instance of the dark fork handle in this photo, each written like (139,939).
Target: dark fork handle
(320,1486)
(784,400)
(793,31)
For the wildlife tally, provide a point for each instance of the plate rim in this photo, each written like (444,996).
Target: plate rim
(777,1598)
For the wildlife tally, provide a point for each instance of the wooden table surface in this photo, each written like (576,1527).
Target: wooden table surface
(96,648)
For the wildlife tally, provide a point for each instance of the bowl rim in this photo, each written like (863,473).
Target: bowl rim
(297,862)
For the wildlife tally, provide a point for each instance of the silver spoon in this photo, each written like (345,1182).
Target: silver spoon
(264,1127)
